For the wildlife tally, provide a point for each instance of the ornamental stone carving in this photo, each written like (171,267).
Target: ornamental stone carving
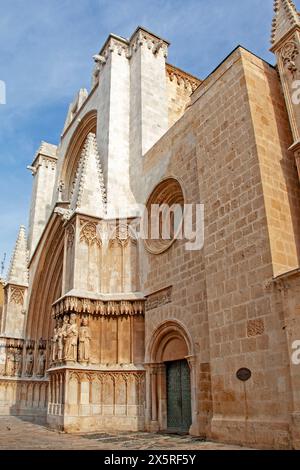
(84,342)
(41,363)
(88,233)
(54,340)
(60,332)
(18,363)
(10,364)
(289,53)
(17,295)
(182,78)
(70,236)
(158,299)
(97,307)
(70,340)
(29,362)
(255,327)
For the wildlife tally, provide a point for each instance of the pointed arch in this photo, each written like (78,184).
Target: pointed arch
(87,125)
(46,282)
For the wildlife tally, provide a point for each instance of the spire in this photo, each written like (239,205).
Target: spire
(286,17)
(18,271)
(89,195)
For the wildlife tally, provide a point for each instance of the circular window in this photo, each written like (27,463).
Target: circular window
(164,216)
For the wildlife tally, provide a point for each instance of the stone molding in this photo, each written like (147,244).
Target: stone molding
(182,78)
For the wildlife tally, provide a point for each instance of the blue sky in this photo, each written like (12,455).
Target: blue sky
(46,49)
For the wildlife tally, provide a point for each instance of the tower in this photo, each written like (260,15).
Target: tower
(14,313)
(285,41)
(43,170)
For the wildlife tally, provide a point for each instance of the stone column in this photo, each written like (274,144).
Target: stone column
(192,362)
(162,396)
(154,394)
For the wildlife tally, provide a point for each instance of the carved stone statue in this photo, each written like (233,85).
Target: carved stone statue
(54,342)
(29,363)
(10,364)
(41,364)
(71,338)
(84,342)
(18,363)
(62,329)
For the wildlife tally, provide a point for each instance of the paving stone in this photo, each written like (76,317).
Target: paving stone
(17,434)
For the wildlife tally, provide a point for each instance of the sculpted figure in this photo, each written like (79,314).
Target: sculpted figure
(18,363)
(29,363)
(10,364)
(62,328)
(71,338)
(41,364)
(84,342)
(54,340)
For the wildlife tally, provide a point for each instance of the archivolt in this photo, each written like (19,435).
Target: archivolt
(47,282)
(88,124)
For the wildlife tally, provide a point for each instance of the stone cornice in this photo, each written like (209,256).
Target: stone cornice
(127,47)
(81,305)
(182,77)
(143,37)
(46,151)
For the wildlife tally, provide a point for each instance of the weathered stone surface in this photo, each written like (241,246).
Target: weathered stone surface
(106,313)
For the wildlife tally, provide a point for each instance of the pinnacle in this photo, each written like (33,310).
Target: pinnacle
(286,17)
(18,271)
(89,195)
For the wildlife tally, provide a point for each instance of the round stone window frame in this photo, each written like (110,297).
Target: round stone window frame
(163,194)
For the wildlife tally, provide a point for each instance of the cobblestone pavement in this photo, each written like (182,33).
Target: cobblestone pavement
(18,434)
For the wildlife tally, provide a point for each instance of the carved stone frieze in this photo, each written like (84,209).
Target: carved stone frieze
(102,376)
(182,78)
(158,299)
(98,307)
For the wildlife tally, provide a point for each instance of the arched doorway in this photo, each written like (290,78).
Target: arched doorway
(171,381)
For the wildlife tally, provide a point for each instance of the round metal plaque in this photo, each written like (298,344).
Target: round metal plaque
(243,374)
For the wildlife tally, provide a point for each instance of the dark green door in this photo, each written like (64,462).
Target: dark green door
(179,396)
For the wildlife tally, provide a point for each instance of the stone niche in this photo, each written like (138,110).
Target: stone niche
(96,376)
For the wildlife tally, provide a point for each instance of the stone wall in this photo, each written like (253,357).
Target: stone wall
(219,294)
(278,170)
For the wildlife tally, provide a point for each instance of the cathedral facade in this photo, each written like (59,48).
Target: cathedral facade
(103,329)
